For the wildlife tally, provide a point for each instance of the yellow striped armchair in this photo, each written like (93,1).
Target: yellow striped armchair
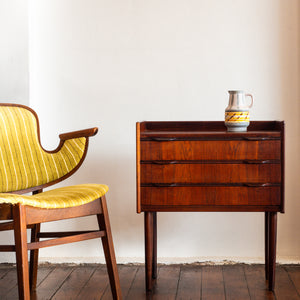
(26,167)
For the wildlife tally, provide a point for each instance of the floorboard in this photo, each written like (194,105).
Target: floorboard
(255,277)
(174,282)
(235,282)
(42,274)
(96,285)
(137,289)
(167,283)
(3,271)
(8,283)
(294,274)
(189,286)
(284,287)
(212,283)
(52,283)
(74,283)
(127,275)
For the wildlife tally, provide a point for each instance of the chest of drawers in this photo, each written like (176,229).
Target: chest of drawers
(199,166)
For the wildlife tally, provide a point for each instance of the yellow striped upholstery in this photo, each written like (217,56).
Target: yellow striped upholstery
(59,198)
(23,162)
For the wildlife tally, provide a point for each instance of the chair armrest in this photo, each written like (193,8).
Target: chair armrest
(78,134)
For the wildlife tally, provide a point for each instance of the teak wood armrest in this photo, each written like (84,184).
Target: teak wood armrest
(78,134)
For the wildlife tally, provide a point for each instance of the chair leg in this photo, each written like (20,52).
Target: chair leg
(108,247)
(34,256)
(20,233)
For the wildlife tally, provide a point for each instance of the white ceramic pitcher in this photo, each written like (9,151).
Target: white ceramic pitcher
(237,111)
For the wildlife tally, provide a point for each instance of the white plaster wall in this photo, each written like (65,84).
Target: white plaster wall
(112,63)
(14,77)
(14,66)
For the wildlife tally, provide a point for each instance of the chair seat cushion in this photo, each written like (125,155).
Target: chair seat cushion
(64,197)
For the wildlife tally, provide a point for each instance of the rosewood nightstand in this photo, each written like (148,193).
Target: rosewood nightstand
(199,166)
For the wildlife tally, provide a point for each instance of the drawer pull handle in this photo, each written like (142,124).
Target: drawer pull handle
(163,139)
(164,184)
(257,161)
(257,184)
(250,138)
(162,162)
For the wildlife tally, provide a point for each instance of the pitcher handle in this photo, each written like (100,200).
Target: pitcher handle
(249,95)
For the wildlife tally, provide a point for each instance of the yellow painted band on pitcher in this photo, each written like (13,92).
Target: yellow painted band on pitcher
(237,116)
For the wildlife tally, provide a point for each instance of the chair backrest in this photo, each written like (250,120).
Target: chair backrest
(24,164)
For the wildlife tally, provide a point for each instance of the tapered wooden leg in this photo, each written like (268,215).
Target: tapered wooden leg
(154,261)
(34,255)
(272,248)
(109,252)
(150,257)
(267,244)
(20,234)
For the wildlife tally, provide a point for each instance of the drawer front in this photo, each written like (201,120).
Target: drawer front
(210,173)
(210,150)
(230,196)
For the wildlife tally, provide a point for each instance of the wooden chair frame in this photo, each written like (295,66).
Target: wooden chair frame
(21,217)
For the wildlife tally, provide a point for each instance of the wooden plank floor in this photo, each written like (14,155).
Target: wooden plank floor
(178,282)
